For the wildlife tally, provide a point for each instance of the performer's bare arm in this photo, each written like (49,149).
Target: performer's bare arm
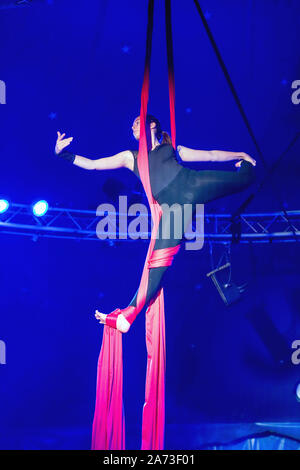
(190,155)
(106,163)
(121,159)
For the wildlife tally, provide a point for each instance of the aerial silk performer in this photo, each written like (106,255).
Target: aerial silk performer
(166,183)
(109,433)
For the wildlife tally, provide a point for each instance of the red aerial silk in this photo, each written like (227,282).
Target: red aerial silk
(109,425)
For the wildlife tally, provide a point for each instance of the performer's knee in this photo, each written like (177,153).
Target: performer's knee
(249,171)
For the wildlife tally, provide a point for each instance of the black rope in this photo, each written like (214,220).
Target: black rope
(149,33)
(229,81)
(243,206)
(265,179)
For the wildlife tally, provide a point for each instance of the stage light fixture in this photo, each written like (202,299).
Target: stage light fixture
(228,291)
(40,208)
(4,205)
(298,391)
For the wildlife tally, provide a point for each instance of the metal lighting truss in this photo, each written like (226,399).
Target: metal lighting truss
(81,225)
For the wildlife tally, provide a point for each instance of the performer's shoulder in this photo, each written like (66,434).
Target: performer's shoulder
(165,147)
(169,149)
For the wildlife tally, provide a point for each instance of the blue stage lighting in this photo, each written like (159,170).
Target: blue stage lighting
(52,115)
(4,205)
(298,392)
(40,208)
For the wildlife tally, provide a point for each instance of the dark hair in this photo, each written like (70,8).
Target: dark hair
(166,139)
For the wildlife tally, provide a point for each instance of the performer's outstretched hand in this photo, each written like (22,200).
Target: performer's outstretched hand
(122,324)
(61,143)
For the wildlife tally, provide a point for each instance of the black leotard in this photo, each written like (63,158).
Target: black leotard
(172,183)
(163,167)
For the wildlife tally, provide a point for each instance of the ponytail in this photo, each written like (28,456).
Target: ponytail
(166,139)
(161,135)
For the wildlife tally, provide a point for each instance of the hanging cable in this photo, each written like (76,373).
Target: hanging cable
(244,116)
(229,81)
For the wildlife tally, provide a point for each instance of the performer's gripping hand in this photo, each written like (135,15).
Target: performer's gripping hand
(61,143)
(246,157)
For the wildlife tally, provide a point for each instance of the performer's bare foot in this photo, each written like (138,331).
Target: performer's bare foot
(122,324)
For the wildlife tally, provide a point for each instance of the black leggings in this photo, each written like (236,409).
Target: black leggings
(199,187)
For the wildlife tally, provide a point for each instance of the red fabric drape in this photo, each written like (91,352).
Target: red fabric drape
(108,424)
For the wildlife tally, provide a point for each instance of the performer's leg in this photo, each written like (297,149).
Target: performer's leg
(210,184)
(171,231)
(154,284)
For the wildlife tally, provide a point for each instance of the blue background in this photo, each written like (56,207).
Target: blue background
(77,67)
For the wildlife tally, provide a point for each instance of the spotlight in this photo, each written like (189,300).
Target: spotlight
(298,391)
(40,208)
(4,205)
